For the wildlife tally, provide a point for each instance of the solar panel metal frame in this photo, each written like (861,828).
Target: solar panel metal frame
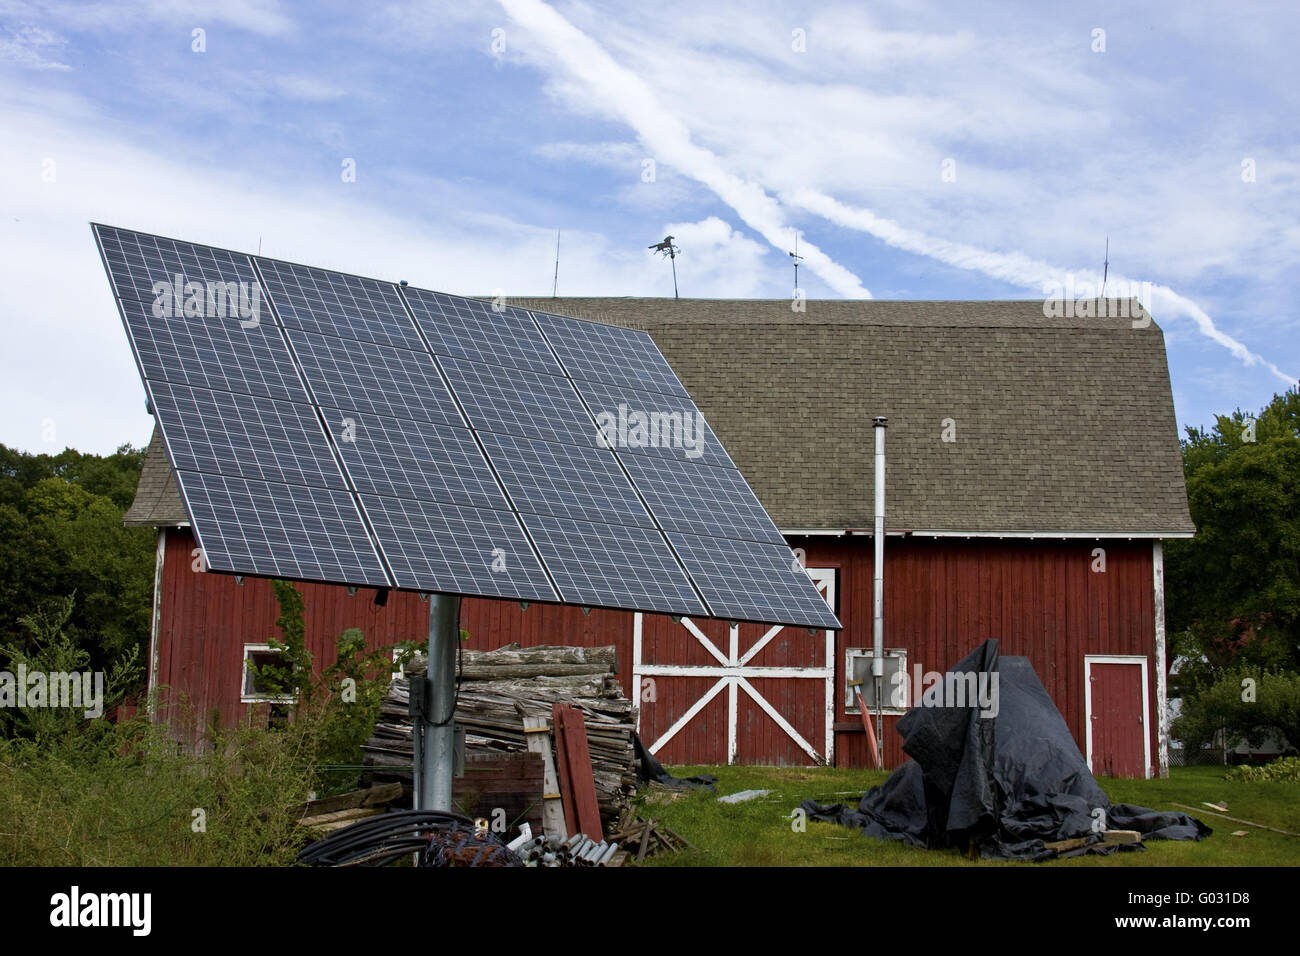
(582,353)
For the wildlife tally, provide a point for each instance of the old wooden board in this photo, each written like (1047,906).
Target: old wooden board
(577,785)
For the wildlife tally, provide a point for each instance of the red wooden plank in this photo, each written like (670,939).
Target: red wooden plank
(577,785)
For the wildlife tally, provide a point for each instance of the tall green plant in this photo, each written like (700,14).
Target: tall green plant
(344,700)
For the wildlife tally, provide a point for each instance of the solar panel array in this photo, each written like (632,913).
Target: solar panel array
(328,427)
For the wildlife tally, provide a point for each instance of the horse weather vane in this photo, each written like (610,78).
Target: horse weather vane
(667,248)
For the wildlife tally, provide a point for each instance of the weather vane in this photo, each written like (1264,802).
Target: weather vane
(668,249)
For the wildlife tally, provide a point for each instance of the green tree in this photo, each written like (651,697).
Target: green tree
(343,700)
(1233,591)
(1248,706)
(50,648)
(61,533)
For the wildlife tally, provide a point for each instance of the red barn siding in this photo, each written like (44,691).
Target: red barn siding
(942,597)
(206,619)
(1039,598)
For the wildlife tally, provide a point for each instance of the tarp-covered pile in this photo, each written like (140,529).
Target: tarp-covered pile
(1007,784)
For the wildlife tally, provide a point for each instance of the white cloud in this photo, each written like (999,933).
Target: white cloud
(1047,155)
(609,87)
(1021,270)
(30,47)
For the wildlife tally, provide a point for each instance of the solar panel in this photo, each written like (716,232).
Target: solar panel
(457,550)
(652,423)
(145,267)
(752,581)
(216,353)
(565,480)
(602,565)
(330,427)
(417,460)
(225,433)
(701,499)
(484,332)
(332,303)
(363,379)
(607,353)
(514,402)
(280,530)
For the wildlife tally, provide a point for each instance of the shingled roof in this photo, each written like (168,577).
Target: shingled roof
(1061,425)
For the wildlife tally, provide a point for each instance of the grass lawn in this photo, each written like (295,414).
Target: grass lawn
(759,833)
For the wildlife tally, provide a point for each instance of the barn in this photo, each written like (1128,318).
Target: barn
(1033,472)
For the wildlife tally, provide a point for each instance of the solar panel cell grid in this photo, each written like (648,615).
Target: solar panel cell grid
(607,353)
(601,565)
(457,550)
(332,303)
(136,261)
(225,433)
(516,402)
(481,331)
(652,423)
(287,531)
(748,580)
(369,379)
(701,499)
(216,353)
(417,460)
(564,480)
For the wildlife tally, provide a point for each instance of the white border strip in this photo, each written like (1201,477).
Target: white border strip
(155,625)
(1162,691)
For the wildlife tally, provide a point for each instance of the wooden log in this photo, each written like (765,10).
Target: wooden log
(497,672)
(369,797)
(1065,846)
(341,817)
(492,714)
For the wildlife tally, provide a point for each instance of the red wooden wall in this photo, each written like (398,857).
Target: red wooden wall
(942,597)
(1041,599)
(206,619)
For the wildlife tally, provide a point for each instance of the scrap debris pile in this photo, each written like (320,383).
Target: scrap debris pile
(547,732)
(500,688)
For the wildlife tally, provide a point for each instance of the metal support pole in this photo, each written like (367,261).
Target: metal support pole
(438,756)
(878,608)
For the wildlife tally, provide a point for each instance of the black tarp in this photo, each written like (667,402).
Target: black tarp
(1008,782)
(649,770)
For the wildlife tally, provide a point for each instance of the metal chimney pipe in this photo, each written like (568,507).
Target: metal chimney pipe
(878,603)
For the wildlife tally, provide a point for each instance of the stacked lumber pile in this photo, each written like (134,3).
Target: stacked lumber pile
(500,688)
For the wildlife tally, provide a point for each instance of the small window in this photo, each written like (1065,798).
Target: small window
(857,667)
(255,691)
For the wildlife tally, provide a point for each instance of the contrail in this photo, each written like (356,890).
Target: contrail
(1014,268)
(625,94)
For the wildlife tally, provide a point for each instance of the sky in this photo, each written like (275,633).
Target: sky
(959,150)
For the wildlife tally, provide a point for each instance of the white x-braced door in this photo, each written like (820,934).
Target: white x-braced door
(710,693)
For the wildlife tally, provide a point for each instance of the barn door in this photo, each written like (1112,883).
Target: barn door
(712,694)
(1115,695)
